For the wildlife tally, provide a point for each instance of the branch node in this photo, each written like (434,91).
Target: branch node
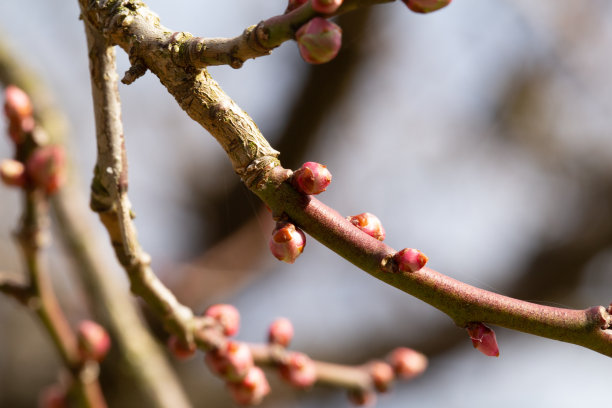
(262,171)
(137,70)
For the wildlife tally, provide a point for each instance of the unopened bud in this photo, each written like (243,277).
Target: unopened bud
(370,224)
(426,6)
(180,349)
(410,260)
(293,4)
(17,104)
(12,173)
(251,389)
(326,6)
(319,40)
(46,168)
(287,242)
(231,362)
(299,370)
(53,396)
(93,341)
(483,339)
(407,363)
(312,178)
(227,316)
(361,397)
(382,375)
(280,332)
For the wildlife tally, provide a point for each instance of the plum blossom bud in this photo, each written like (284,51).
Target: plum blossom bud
(180,349)
(370,224)
(361,397)
(426,6)
(293,4)
(53,396)
(483,339)
(251,389)
(382,375)
(227,316)
(410,260)
(325,6)
(311,178)
(407,363)
(12,173)
(231,362)
(46,168)
(319,40)
(299,370)
(287,242)
(17,103)
(93,341)
(280,332)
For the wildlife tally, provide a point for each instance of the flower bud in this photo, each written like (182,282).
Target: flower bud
(46,168)
(251,389)
(311,178)
(426,6)
(370,224)
(299,370)
(287,242)
(231,362)
(280,332)
(12,173)
(483,339)
(407,363)
(382,375)
(180,349)
(17,104)
(53,396)
(93,341)
(319,40)
(227,316)
(293,4)
(361,397)
(325,6)
(410,260)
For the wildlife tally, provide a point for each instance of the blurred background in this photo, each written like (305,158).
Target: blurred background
(480,134)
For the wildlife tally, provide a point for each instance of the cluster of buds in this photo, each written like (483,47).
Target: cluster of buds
(370,224)
(426,6)
(287,242)
(93,341)
(483,339)
(319,40)
(410,260)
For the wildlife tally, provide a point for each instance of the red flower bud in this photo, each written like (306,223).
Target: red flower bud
(17,104)
(293,4)
(311,178)
(231,362)
(410,260)
(361,397)
(382,375)
(287,242)
(12,173)
(53,396)
(227,316)
(426,6)
(370,224)
(325,6)
(93,341)
(319,40)
(251,389)
(180,349)
(46,168)
(483,339)
(407,363)
(280,332)
(299,370)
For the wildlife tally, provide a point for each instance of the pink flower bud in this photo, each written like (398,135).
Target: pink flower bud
(293,4)
(227,316)
(46,168)
(287,242)
(410,260)
(426,6)
(370,224)
(251,389)
(93,341)
(231,362)
(483,339)
(53,396)
(361,397)
(180,349)
(382,375)
(12,173)
(311,178)
(325,6)
(299,370)
(17,103)
(407,363)
(280,332)
(319,40)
